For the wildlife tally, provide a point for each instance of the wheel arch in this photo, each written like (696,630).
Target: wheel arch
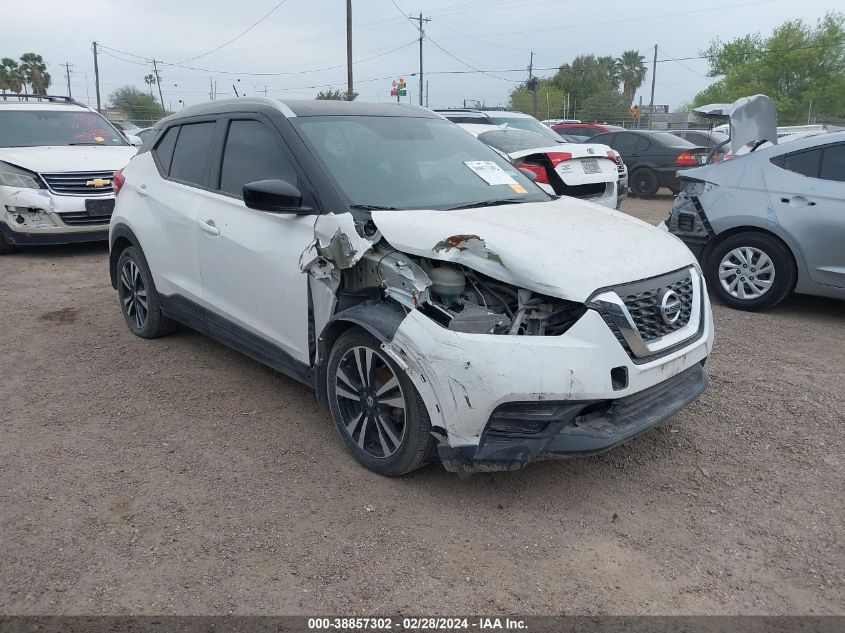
(381,319)
(751,228)
(121,238)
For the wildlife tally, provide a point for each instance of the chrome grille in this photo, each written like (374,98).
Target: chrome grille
(82,218)
(644,308)
(77,183)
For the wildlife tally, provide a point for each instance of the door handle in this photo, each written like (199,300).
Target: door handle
(142,190)
(799,201)
(209,227)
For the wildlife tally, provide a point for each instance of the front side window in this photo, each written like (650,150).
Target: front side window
(252,153)
(412,163)
(44,127)
(191,152)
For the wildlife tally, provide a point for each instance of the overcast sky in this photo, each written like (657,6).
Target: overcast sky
(304,35)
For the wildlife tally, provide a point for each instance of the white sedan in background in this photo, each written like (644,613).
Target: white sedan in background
(589,171)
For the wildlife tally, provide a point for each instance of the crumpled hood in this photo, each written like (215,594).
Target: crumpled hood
(74,158)
(565,248)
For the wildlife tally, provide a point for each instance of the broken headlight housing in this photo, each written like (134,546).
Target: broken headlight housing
(13,176)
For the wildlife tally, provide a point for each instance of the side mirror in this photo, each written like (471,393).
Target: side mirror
(134,140)
(275,196)
(531,175)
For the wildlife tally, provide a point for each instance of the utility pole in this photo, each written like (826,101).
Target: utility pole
(653,77)
(158,83)
(420,20)
(426,93)
(210,89)
(67,66)
(532,82)
(640,113)
(349,91)
(96,77)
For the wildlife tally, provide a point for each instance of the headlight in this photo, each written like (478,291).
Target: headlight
(11,176)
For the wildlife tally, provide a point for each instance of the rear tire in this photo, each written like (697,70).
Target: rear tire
(751,271)
(139,300)
(376,408)
(644,183)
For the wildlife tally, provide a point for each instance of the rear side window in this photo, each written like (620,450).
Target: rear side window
(164,150)
(833,163)
(252,153)
(804,163)
(191,151)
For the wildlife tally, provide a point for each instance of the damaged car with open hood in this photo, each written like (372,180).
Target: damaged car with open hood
(438,302)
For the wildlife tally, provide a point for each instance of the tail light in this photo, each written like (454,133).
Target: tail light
(558,157)
(685,158)
(538,170)
(117,181)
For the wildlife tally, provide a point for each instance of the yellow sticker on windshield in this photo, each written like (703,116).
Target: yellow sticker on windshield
(99,139)
(518,188)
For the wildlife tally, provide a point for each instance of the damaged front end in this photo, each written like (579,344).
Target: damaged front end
(364,267)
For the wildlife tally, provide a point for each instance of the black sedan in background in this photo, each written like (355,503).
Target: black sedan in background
(653,158)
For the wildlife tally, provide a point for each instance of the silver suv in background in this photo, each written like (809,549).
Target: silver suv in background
(57,158)
(769,222)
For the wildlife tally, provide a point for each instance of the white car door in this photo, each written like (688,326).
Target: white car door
(807,188)
(249,259)
(169,233)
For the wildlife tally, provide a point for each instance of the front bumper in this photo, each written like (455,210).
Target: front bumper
(576,428)
(464,378)
(38,216)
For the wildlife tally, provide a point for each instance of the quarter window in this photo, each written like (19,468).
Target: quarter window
(804,163)
(191,152)
(164,149)
(833,163)
(252,153)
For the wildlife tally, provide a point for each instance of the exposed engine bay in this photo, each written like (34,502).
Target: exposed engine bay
(460,299)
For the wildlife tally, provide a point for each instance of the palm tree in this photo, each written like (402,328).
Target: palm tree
(632,71)
(150,80)
(35,73)
(10,75)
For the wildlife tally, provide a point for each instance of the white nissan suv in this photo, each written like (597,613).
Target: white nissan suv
(57,157)
(436,299)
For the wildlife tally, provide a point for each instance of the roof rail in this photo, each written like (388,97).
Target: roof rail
(28,97)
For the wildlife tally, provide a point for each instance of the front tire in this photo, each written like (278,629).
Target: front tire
(376,408)
(139,300)
(644,183)
(5,247)
(751,271)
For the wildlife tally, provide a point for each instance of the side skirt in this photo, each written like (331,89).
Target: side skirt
(224,331)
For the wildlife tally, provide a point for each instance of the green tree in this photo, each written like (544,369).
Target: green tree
(631,69)
(150,80)
(586,76)
(10,76)
(550,101)
(35,73)
(138,106)
(800,66)
(334,95)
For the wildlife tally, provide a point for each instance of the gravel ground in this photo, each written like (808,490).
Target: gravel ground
(176,476)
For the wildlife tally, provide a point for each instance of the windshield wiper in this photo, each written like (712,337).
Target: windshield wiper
(371,207)
(93,144)
(489,203)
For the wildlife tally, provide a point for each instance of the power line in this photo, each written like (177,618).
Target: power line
(238,36)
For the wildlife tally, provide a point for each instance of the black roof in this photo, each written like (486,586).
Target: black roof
(302,108)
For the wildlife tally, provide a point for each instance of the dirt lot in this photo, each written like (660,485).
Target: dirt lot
(176,476)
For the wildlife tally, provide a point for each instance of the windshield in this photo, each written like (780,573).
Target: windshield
(45,127)
(510,140)
(526,123)
(412,163)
